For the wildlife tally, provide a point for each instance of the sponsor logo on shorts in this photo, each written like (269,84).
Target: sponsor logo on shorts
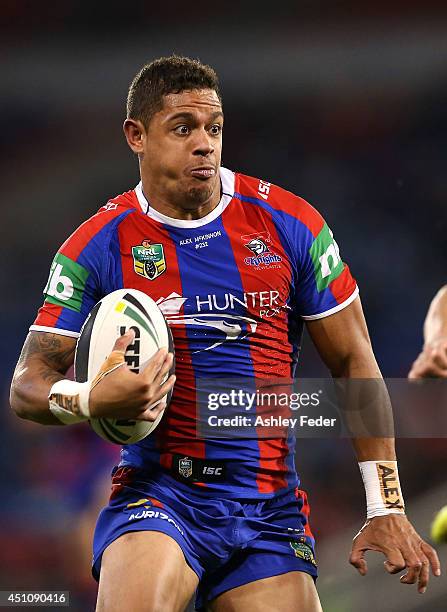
(148,259)
(154,514)
(302,550)
(185,467)
(212,471)
(146,502)
(66,283)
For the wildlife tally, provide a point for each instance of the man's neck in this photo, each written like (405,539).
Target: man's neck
(178,211)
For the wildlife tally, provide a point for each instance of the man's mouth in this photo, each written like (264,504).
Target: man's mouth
(203,172)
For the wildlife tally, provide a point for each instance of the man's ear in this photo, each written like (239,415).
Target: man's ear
(135,133)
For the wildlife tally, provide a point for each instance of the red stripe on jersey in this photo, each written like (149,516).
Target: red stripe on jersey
(305,510)
(177,430)
(48,315)
(76,243)
(342,286)
(281,199)
(267,289)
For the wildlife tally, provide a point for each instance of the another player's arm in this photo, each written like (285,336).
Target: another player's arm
(432,361)
(343,342)
(47,356)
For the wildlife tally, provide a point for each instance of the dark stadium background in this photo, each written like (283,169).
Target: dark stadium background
(343,103)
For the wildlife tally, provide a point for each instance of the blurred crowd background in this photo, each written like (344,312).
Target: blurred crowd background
(342,103)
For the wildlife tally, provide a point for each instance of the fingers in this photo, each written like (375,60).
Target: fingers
(418,563)
(432,362)
(395,561)
(123,341)
(158,403)
(424,577)
(432,557)
(395,537)
(164,370)
(357,559)
(155,363)
(413,563)
(438,355)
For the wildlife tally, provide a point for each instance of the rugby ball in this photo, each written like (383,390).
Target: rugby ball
(110,318)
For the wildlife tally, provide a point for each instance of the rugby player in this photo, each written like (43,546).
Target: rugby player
(237,265)
(432,361)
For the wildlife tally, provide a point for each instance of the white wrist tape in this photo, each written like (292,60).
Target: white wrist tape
(68,401)
(382,487)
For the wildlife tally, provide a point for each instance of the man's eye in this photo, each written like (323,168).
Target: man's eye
(183,130)
(216,129)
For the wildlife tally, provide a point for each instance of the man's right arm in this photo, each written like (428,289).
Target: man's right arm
(432,361)
(45,359)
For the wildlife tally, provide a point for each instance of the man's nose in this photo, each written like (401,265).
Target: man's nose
(203,145)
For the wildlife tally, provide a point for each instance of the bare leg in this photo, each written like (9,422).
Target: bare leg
(145,571)
(291,592)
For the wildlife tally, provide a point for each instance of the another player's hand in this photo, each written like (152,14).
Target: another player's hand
(126,395)
(395,537)
(432,362)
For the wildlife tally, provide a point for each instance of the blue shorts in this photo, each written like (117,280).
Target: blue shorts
(227,543)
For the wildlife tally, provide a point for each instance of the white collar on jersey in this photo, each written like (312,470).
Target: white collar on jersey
(227,182)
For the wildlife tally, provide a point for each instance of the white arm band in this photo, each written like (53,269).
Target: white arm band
(68,401)
(382,487)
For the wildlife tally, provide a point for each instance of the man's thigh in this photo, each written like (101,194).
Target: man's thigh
(291,592)
(145,571)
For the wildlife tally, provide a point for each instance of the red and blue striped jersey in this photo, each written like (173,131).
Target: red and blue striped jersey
(235,287)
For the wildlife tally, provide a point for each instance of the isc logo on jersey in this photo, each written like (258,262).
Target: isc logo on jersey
(326,258)
(66,283)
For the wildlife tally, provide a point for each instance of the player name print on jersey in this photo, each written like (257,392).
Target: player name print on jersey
(149,259)
(66,283)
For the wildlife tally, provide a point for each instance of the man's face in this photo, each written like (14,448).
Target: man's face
(180,151)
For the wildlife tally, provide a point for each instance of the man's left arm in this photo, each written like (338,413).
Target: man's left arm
(343,343)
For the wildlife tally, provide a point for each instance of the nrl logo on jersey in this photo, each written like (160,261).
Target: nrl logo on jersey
(185,467)
(149,259)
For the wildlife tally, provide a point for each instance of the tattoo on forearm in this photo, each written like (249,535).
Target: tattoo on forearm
(55,350)
(50,375)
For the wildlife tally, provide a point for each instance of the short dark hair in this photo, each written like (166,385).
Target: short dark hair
(163,76)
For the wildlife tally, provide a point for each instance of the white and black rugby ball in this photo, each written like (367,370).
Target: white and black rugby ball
(110,318)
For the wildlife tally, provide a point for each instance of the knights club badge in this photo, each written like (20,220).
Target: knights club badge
(149,259)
